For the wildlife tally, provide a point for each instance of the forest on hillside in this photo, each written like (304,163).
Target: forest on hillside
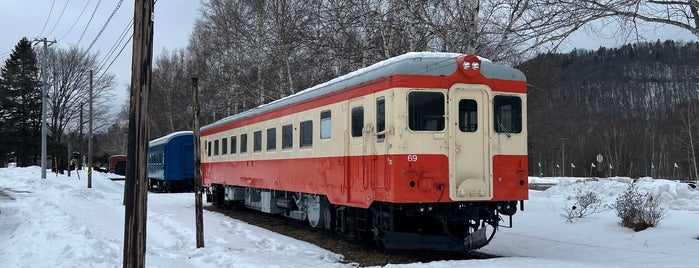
(636,105)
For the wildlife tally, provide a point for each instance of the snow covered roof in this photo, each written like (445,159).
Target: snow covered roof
(165,139)
(416,63)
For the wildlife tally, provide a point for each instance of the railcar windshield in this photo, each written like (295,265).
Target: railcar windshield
(426,111)
(508,114)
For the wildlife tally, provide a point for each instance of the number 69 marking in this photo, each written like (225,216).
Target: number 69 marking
(412,158)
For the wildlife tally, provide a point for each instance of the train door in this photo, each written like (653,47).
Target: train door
(469,161)
(380,148)
(358,162)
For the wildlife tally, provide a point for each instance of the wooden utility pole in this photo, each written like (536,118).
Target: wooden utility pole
(89,139)
(199,218)
(136,190)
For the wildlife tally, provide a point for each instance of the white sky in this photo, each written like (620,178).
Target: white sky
(174,21)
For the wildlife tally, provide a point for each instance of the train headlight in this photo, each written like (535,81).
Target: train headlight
(467,65)
(470,65)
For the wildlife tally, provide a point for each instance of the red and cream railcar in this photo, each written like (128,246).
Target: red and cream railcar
(421,151)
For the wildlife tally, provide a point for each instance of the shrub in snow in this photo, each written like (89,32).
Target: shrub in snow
(586,204)
(639,211)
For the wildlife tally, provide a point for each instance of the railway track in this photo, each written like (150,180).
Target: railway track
(362,254)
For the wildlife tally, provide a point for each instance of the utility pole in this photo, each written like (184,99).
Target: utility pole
(563,156)
(44,93)
(89,139)
(199,218)
(136,190)
(80,136)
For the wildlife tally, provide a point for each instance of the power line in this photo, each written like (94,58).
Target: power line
(88,22)
(47,18)
(115,58)
(116,44)
(76,20)
(105,24)
(59,17)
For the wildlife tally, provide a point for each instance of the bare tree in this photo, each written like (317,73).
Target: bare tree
(681,14)
(690,134)
(116,138)
(69,89)
(170,100)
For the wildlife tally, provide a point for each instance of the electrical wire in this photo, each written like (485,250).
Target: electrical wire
(116,44)
(47,18)
(76,21)
(124,33)
(115,58)
(59,17)
(89,21)
(105,24)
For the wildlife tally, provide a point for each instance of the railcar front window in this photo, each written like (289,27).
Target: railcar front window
(468,115)
(426,111)
(508,114)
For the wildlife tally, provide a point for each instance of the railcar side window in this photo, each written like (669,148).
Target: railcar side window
(271,139)
(287,136)
(325,124)
(224,146)
(216,148)
(306,133)
(357,121)
(380,118)
(468,115)
(508,114)
(243,143)
(426,111)
(257,141)
(234,145)
(208,148)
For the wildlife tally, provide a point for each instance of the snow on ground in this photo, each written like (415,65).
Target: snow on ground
(58,222)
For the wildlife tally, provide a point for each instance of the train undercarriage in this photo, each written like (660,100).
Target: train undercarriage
(444,227)
(170,186)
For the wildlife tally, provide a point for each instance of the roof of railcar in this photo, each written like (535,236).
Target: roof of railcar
(167,138)
(415,63)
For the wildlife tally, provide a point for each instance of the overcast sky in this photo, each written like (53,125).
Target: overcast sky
(174,20)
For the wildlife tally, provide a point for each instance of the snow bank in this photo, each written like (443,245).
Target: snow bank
(58,222)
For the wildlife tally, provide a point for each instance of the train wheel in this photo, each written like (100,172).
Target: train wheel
(330,218)
(316,205)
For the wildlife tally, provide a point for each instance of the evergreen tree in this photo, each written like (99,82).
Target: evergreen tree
(21,105)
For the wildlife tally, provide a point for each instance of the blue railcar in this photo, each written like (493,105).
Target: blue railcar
(171,162)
